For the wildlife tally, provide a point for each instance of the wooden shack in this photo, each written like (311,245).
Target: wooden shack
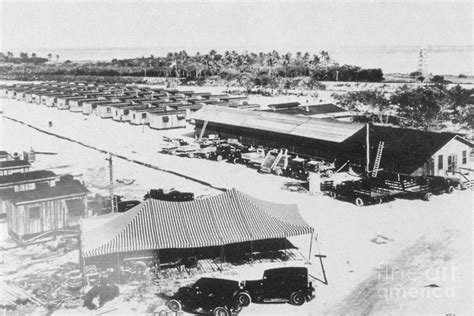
(46,210)
(105,110)
(167,119)
(26,181)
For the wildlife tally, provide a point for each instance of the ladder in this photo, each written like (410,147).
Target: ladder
(377,160)
(203,130)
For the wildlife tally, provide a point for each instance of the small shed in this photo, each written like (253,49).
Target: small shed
(106,110)
(167,119)
(45,210)
(26,181)
(122,114)
(142,116)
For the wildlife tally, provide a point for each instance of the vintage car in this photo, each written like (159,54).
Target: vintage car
(208,295)
(289,284)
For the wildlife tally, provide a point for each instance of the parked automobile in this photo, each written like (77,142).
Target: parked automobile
(172,195)
(231,152)
(289,284)
(297,169)
(254,157)
(208,295)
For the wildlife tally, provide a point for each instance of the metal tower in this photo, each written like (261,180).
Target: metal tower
(422,62)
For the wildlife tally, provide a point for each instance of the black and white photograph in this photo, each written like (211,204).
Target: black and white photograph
(228,157)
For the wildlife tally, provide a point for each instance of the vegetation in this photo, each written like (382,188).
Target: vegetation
(22,58)
(424,106)
(271,69)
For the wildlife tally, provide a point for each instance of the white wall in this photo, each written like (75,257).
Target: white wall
(452,147)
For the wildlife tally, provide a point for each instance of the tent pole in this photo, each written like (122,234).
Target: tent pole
(222,258)
(81,261)
(310,247)
(251,252)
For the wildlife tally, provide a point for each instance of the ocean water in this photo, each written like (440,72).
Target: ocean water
(443,60)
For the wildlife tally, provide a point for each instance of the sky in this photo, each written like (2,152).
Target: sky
(243,25)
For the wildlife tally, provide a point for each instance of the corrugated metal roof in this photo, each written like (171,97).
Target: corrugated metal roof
(327,130)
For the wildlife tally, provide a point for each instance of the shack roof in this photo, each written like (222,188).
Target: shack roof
(14,163)
(287,105)
(327,130)
(31,176)
(46,192)
(165,112)
(312,109)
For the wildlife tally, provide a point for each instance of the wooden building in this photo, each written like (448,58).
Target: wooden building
(105,110)
(406,151)
(26,181)
(142,116)
(122,114)
(46,209)
(167,119)
(12,166)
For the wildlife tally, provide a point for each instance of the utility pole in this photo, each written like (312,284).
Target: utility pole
(111,183)
(367,146)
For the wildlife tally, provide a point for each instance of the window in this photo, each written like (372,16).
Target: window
(166,119)
(440,162)
(452,162)
(464,157)
(34,212)
(133,115)
(143,115)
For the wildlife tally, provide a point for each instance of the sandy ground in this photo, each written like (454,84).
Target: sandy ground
(380,258)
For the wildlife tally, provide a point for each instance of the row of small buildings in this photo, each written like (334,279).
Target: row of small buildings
(37,203)
(157,107)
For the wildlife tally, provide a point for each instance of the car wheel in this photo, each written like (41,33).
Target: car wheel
(220,311)
(219,158)
(235,160)
(243,299)
(297,298)
(236,309)
(428,196)
(450,189)
(191,155)
(174,305)
(278,171)
(359,202)
(329,173)
(333,194)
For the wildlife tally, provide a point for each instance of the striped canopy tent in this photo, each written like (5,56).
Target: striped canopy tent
(227,218)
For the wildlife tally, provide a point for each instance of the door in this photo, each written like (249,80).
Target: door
(430,167)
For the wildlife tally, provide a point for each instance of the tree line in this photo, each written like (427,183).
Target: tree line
(263,68)
(23,57)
